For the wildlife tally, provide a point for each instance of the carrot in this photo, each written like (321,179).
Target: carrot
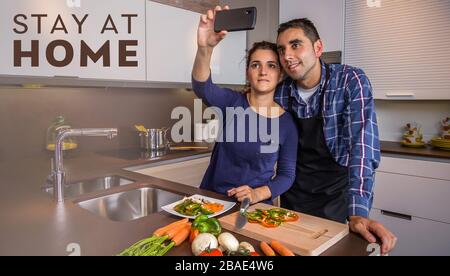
(194,233)
(172,232)
(182,235)
(213,207)
(161,231)
(266,249)
(281,249)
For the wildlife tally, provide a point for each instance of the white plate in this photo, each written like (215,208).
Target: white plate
(226,206)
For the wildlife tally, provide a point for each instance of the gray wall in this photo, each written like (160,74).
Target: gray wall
(25,115)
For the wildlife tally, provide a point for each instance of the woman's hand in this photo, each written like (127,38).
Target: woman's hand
(206,37)
(255,195)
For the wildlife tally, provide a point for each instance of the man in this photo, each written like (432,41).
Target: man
(338,149)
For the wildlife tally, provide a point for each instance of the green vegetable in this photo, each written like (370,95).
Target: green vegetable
(153,246)
(207,225)
(190,208)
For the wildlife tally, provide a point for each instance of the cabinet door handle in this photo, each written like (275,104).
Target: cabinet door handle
(396,215)
(66,77)
(400,95)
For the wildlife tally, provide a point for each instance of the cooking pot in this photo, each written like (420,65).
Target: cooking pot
(154,139)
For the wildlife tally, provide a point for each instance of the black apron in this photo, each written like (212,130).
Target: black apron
(321,185)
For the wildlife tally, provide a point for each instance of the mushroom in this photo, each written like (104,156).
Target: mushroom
(228,242)
(202,242)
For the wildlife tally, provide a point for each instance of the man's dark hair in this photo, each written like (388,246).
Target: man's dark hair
(302,23)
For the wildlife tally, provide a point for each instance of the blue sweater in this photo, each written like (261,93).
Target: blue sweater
(235,163)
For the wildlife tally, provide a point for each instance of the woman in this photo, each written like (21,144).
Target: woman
(241,169)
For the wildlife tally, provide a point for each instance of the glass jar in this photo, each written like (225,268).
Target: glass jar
(59,124)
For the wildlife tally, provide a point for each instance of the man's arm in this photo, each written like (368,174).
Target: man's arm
(362,132)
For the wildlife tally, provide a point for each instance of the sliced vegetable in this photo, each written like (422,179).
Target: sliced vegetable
(271,218)
(195,207)
(266,249)
(270,223)
(213,207)
(281,249)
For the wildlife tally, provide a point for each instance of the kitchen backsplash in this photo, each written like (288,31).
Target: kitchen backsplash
(394,115)
(25,115)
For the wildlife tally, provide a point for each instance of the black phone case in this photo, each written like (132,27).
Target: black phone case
(235,20)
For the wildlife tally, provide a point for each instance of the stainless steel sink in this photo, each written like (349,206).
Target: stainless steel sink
(89,186)
(130,205)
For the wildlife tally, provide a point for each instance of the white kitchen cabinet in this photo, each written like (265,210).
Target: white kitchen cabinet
(411,195)
(416,236)
(411,198)
(413,187)
(19,22)
(327,16)
(172,44)
(388,40)
(187,172)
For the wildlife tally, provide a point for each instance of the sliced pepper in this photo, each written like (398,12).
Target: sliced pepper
(269,223)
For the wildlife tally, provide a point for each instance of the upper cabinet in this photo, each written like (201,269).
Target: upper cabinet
(134,42)
(102,39)
(327,16)
(172,45)
(403,46)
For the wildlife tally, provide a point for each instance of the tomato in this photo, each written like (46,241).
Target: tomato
(211,252)
(255,254)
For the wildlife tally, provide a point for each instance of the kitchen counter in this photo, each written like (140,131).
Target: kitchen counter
(31,223)
(428,151)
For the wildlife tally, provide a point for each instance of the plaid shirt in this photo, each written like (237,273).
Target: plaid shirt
(350,127)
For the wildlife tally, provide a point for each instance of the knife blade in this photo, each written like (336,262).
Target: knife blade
(241,219)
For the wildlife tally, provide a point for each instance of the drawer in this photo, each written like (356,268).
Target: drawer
(415,196)
(416,236)
(420,168)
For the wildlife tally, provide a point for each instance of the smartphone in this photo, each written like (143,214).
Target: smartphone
(235,20)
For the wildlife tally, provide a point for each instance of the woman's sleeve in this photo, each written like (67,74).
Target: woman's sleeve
(214,95)
(287,160)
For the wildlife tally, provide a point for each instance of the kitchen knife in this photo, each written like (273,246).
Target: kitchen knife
(241,219)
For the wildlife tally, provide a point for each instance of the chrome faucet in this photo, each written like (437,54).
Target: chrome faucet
(58,168)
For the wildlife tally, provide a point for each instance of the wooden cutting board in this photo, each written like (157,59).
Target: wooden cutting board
(308,236)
